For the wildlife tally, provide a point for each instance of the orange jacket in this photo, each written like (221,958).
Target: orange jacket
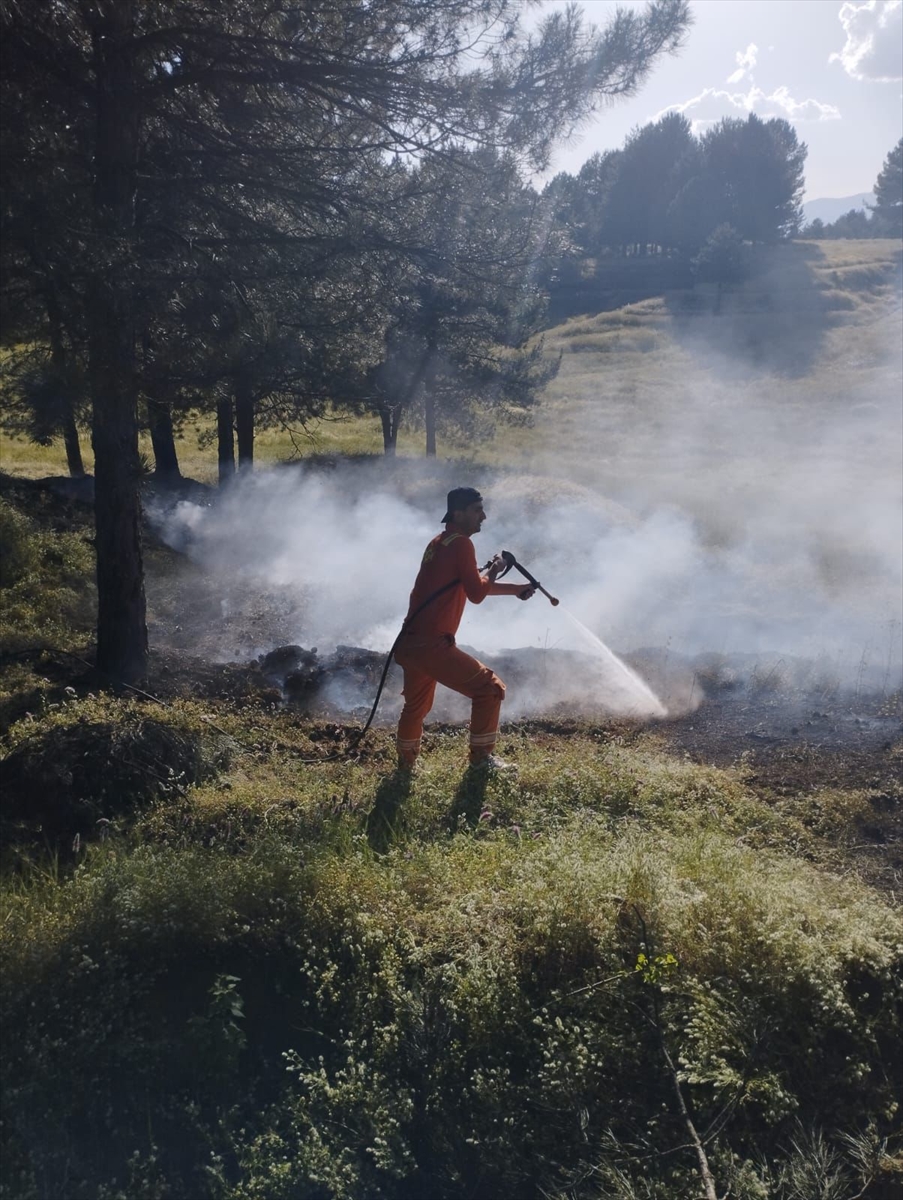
(449,556)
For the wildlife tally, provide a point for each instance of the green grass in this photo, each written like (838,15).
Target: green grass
(336,435)
(352,436)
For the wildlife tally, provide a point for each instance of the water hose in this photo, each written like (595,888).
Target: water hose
(355,741)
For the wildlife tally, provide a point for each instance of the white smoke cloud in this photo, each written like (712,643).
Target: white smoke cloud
(731,506)
(806,560)
(873,50)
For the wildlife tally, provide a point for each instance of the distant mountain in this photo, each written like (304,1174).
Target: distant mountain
(830,208)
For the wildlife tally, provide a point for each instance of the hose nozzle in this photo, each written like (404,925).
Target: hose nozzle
(511,561)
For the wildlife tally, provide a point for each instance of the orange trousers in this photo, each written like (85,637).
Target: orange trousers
(427,661)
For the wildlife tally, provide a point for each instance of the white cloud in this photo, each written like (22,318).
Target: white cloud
(713,103)
(873,50)
(779,103)
(746,60)
(800,110)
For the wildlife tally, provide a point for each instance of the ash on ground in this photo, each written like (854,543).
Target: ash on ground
(540,682)
(737,702)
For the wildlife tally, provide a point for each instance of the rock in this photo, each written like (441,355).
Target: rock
(286,660)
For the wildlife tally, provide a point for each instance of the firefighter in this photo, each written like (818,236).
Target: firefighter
(426,649)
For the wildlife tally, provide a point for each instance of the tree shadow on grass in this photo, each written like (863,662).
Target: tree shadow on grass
(382,820)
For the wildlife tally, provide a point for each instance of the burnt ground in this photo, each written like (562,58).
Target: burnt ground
(791,728)
(784,742)
(834,767)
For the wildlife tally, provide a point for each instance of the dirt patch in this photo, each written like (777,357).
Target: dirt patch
(835,765)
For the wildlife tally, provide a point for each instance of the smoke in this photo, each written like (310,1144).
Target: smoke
(725,509)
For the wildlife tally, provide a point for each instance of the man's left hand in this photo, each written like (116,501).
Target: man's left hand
(528,591)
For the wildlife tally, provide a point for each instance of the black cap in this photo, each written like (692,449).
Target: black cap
(459,498)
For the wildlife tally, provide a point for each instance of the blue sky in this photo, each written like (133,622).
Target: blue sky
(831,67)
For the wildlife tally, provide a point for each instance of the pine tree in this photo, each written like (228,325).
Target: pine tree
(887,213)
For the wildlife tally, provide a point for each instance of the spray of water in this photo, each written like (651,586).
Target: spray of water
(646,700)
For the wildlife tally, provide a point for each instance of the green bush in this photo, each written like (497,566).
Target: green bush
(724,258)
(86,765)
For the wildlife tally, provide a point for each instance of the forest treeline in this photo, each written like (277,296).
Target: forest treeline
(882,219)
(667,191)
(273,210)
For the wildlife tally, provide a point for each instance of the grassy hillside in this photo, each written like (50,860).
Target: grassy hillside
(822,314)
(691,381)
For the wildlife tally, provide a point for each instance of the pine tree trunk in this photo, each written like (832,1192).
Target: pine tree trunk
(121,609)
(225,440)
(429,400)
(244,424)
(429,404)
(73,446)
(121,619)
(58,358)
(389,420)
(166,460)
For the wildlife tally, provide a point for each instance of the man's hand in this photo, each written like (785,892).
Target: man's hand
(496,567)
(528,591)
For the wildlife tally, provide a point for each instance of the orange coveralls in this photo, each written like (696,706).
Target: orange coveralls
(428,655)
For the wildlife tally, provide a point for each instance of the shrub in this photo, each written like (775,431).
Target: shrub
(724,257)
(87,766)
